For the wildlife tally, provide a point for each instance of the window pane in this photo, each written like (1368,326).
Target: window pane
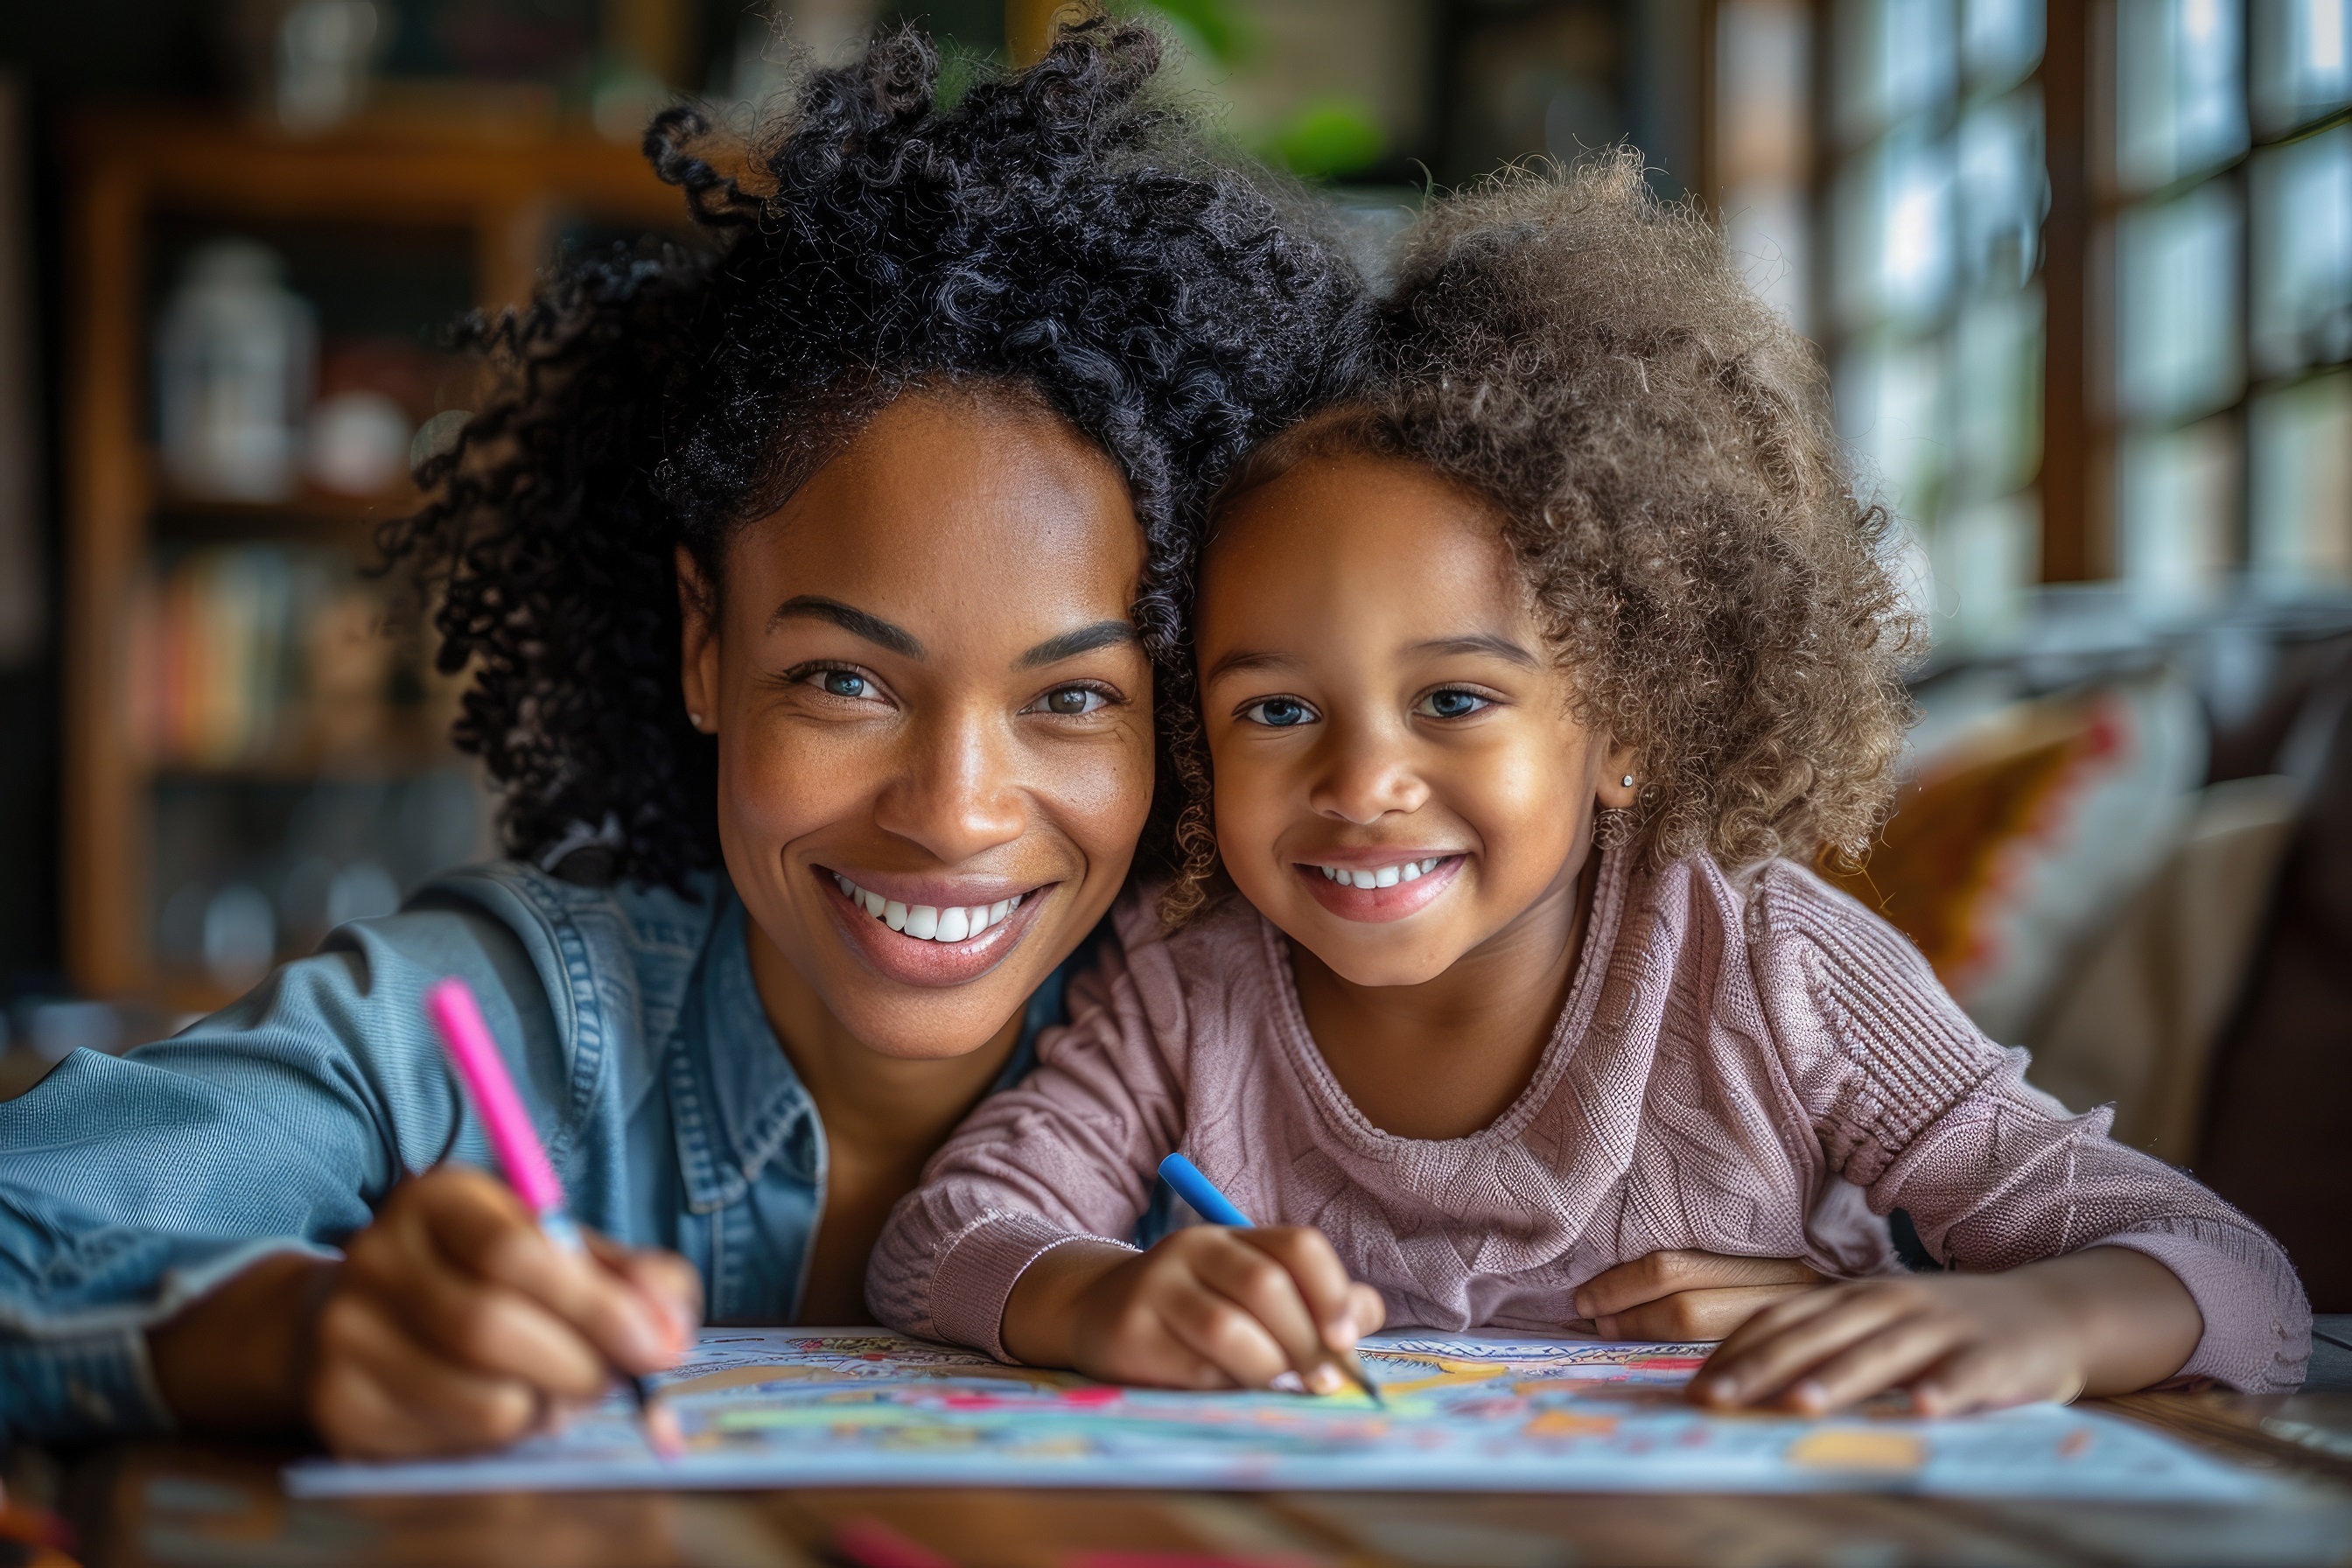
(2303,59)
(1766,224)
(2303,253)
(1890,398)
(2176,352)
(2301,486)
(1895,230)
(1986,557)
(2004,191)
(1895,57)
(2001,41)
(2179,94)
(1997,394)
(2177,515)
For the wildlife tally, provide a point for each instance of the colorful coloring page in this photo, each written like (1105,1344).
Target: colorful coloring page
(808,1407)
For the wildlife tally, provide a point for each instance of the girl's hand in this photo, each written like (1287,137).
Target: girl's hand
(1206,1307)
(2104,1321)
(453,1323)
(1687,1295)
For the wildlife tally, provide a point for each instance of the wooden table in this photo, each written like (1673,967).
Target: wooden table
(183,1505)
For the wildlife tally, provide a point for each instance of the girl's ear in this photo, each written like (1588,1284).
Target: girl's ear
(1620,781)
(697,653)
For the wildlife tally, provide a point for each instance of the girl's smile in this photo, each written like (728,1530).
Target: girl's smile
(1377,886)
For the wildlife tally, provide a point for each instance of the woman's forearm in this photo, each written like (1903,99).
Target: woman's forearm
(233,1361)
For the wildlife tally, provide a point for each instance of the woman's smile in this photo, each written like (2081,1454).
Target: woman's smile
(965,931)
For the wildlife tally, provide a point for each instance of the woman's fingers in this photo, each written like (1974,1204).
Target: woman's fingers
(372,1370)
(1693,1314)
(1659,1274)
(1770,1351)
(665,1278)
(498,1332)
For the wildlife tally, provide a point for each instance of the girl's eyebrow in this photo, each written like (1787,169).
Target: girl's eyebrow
(1488,643)
(851,619)
(1246,658)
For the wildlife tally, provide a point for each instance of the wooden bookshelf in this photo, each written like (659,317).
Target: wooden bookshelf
(508,179)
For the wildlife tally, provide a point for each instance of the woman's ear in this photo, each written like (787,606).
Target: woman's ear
(697,653)
(1620,781)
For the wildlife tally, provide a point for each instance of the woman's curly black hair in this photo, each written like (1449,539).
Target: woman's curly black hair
(1055,232)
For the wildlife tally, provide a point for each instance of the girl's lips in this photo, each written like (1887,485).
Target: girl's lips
(912,960)
(1374,905)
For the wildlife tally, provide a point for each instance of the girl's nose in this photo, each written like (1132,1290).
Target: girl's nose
(1364,773)
(955,793)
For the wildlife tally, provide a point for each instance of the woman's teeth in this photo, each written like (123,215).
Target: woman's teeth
(1383,875)
(929,922)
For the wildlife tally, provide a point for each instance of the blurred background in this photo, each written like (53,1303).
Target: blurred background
(2081,271)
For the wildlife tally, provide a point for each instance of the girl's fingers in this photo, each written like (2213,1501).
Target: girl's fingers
(451,1407)
(1762,1359)
(1211,1326)
(1988,1377)
(1693,1314)
(1316,1273)
(1367,1313)
(1894,1353)
(1254,1279)
(1660,1275)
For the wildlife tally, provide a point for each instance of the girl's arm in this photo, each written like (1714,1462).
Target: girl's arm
(2079,1265)
(1015,1243)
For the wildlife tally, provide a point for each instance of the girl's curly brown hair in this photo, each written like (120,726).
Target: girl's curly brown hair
(1658,446)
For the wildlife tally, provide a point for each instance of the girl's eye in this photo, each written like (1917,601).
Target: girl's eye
(1278,712)
(843,683)
(1074,701)
(1453,704)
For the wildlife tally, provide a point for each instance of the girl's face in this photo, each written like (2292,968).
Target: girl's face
(1399,781)
(934,717)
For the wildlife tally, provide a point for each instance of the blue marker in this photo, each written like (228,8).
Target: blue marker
(1212,1205)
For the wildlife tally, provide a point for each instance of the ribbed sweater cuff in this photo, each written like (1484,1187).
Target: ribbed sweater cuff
(2257,1339)
(976,1275)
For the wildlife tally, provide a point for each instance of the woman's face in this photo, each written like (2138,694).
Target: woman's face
(930,703)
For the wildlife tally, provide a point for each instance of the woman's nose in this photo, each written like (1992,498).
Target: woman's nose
(1364,773)
(955,794)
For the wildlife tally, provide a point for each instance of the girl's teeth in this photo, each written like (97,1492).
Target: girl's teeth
(1384,877)
(929,922)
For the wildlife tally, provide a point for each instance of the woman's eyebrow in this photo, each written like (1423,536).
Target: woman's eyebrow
(851,619)
(1086,639)
(1487,643)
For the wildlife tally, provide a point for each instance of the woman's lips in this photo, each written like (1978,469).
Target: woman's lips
(917,960)
(1376,904)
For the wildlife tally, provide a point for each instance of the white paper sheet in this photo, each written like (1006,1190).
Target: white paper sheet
(808,1407)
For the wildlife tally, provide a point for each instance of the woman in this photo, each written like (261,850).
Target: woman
(828,569)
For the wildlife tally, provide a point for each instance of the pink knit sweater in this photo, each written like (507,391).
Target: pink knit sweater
(1753,1065)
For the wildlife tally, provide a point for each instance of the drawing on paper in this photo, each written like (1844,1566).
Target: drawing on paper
(847,1407)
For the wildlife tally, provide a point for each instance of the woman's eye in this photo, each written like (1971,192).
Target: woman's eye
(1453,704)
(1073,702)
(843,683)
(1278,712)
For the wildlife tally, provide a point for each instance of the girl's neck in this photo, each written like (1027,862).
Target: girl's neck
(1446,1057)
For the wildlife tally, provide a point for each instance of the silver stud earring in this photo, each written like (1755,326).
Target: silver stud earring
(695,719)
(1627,781)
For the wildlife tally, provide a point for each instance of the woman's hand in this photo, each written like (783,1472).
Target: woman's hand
(1206,1307)
(1687,1295)
(453,1323)
(2104,1321)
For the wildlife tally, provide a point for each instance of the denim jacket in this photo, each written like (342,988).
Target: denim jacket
(129,1186)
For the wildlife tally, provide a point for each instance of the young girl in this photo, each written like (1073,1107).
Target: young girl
(1528,681)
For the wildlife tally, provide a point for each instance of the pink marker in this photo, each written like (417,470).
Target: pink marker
(483,1072)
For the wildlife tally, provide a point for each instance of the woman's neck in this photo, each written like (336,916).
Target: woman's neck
(1445,1059)
(882,1118)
